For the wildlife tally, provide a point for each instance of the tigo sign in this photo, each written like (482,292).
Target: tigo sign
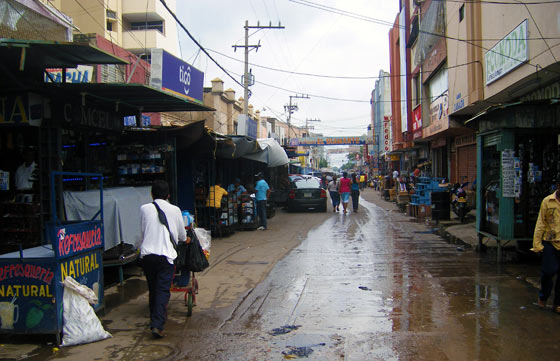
(176,76)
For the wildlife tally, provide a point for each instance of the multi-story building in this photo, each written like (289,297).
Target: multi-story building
(504,82)
(481,79)
(135,25)
(381,121)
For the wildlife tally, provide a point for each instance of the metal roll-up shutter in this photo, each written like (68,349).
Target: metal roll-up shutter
(466,163)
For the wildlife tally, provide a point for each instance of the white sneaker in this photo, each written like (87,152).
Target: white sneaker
(261,228)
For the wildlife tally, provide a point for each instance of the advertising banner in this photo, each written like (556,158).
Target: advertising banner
(439,118)
(176,76)
(81,74)
(417,122)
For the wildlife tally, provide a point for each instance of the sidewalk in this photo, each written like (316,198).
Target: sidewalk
(457,232)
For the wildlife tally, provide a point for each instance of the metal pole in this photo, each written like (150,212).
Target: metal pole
(289,118)
(246,77)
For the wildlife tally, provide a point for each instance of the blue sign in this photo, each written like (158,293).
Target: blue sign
(251,128)
(178,77)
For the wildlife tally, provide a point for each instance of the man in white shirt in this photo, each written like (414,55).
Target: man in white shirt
(157,252)
(24,173)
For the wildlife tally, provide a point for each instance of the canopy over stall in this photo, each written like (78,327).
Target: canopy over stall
(271,153)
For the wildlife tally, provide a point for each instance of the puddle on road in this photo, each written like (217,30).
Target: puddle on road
(131,289)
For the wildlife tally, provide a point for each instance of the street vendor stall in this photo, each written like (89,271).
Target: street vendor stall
(30,279)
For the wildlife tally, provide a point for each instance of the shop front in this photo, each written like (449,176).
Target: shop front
(518,161)
(61,142)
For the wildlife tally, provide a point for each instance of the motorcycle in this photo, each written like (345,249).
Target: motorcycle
(459,200)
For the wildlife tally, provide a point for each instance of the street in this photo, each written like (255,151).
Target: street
(372,285)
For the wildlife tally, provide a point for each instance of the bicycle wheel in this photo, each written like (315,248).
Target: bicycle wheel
(189,304)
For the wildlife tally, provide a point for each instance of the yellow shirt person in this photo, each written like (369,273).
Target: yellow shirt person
(548,223)
(215,194)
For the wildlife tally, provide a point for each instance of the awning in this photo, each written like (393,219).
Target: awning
(272,153)
(52,54)
(243,146)
(137,97)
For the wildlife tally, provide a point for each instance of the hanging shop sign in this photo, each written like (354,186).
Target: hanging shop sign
(321,141)
(439,118)
(22,109)
(81,74)
(176,76)
(507,54)
(387,137)
(417,123)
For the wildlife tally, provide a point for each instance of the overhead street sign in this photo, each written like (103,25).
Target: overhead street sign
(322,141)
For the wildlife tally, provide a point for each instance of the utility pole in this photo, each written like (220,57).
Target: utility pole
(246,80)
(292,108)
(307,127)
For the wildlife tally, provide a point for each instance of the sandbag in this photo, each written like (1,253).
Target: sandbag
(80,323)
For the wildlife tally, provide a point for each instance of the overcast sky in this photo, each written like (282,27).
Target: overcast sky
(314,41)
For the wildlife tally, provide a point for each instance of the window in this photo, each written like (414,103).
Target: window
(111,14)
(416,89)
(148,25)
(109,26)
(461,12)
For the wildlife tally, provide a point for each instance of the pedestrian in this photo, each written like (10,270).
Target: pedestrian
(333,192)
(546,239)
(362,182)
(344,190)
(355,191)
(395,175)
(157,253)
(262,191)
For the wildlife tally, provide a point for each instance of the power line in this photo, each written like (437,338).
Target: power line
(198,44)
(383,22)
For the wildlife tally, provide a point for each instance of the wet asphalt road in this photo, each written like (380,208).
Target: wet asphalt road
(375,286)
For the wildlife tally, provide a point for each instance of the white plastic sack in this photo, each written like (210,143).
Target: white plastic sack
(204,238)
(80,323)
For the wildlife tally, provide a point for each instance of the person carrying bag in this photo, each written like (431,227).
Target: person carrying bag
(157,251)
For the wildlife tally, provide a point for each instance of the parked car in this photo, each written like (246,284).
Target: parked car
(305,192)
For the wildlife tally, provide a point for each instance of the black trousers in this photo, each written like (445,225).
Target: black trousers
(355,199)
(159,274)
(550,268)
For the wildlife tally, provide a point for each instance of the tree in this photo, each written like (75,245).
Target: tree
(323,163)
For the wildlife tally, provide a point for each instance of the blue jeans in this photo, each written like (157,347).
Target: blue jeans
(261,213)
(159,274)
(550,267)
(335,198)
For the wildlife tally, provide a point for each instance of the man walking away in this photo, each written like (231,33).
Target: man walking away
(157,253)
(262,194)
(546,239)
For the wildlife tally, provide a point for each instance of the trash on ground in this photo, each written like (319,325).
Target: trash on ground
(303,351)
(284,329)
(81,324)
(364,288)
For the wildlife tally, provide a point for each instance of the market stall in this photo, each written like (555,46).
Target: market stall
(517,162)
(30,279)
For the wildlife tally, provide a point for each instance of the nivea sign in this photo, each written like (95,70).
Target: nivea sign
(174,75)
